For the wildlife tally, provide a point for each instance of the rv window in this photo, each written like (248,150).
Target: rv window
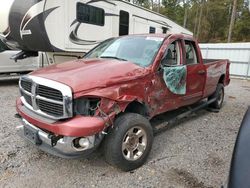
(124,23)
(152,30)
(164,30)
(90,14)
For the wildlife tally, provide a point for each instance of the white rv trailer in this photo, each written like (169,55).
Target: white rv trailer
(65,29)
(10,69)
(9,66)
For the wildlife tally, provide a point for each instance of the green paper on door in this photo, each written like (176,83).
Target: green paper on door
(175,79)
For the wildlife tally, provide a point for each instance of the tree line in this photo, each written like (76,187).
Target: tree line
(209,20)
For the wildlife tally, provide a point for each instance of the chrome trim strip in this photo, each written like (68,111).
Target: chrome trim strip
(48,100)
(26,92)
(33,97)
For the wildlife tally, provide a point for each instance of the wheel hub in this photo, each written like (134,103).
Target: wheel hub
(134,143)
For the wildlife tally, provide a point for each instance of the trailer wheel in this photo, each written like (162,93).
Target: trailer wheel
(128,144)
(219,96)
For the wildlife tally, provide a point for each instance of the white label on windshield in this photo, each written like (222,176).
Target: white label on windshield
(158,39)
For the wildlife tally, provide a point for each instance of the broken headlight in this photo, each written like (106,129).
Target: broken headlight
(86,106)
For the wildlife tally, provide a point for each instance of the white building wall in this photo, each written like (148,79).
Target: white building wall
(237,53)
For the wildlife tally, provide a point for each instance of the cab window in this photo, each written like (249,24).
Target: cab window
(191,55)
(172,55)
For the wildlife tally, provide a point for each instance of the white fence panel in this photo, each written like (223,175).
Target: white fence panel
(237,53)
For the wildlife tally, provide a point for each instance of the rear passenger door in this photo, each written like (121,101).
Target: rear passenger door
(196,73)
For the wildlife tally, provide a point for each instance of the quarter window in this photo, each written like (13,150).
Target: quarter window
(90,14)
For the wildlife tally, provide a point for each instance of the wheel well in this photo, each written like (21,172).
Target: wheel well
(137,107)
(222,79)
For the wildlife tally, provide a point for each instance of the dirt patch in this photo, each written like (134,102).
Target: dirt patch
(214,160)
(186,179)
(246,88)
(6,175)
(231,97)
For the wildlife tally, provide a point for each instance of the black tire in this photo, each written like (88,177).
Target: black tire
(219,96)
(115,141)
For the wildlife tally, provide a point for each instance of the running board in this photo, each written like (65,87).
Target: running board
(167,124)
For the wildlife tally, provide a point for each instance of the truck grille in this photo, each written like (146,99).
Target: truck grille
(48,92)
(27,97)
(46,97)
(26,85)
(54,109)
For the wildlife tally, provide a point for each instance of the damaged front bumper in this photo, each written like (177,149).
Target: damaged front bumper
(71,138)
(63,146)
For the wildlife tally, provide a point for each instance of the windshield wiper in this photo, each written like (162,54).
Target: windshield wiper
(113,57)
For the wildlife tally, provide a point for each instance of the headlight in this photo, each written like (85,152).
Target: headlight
(86,106)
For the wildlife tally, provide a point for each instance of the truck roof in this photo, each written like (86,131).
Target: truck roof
(179,35)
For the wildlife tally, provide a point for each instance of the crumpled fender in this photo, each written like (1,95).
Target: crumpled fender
(116,98)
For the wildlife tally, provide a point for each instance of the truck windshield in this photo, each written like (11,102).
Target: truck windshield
(139,50)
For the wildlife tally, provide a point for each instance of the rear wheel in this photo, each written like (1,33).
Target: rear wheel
(218,96)
(128,144)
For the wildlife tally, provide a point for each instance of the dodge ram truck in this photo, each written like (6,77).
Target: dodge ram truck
(111,94)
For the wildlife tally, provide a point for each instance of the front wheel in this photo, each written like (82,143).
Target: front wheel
(218,96)
(128,144)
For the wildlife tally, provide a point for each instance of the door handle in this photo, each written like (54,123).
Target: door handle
(201,72)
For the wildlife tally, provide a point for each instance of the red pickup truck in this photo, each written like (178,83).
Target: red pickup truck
(110,95)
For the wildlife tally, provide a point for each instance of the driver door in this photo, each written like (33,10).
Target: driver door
(163,96)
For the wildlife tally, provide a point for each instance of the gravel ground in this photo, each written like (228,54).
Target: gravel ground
(195,153)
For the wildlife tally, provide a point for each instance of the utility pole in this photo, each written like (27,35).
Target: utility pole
(196,19)
(152,4)
(232,21)
(159,6)
(199,22)
(185,3)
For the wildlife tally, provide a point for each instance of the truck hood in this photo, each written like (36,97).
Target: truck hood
(83,75)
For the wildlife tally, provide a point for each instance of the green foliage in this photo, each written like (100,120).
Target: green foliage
(144,3)
(215,21)
(214,18)
(173,10)
(242,27)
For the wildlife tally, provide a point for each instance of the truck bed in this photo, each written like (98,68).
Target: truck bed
(216,69)
(205,61)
